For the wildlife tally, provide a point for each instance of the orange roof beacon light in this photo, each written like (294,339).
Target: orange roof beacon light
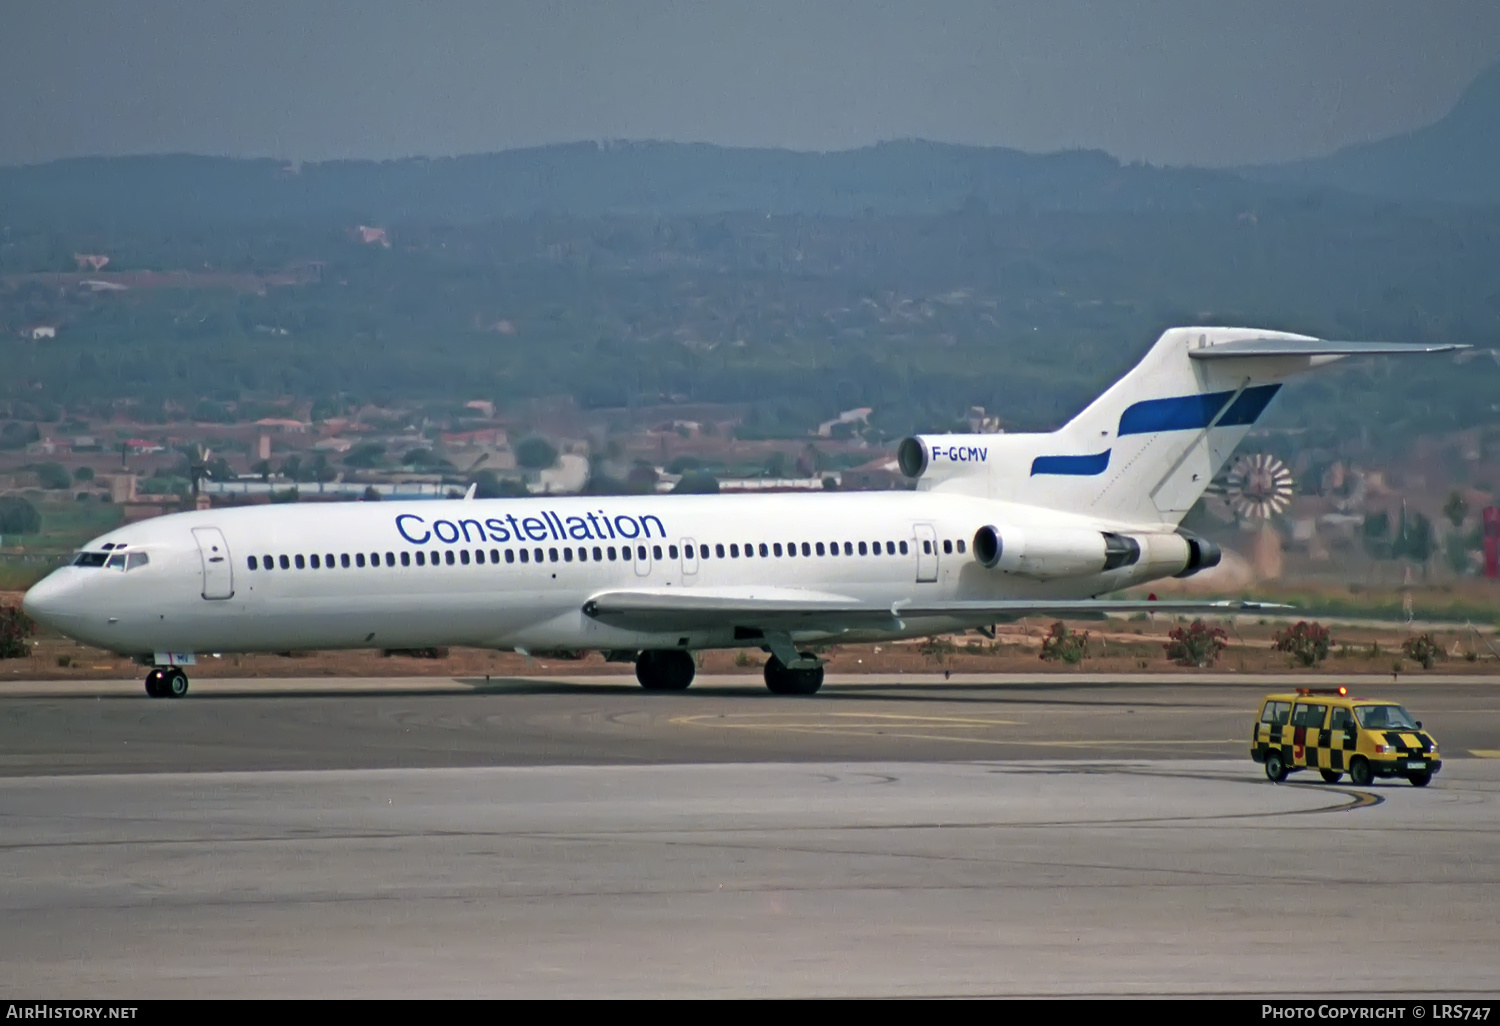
(1323,691)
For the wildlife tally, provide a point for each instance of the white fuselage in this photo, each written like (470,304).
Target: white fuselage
(521,570)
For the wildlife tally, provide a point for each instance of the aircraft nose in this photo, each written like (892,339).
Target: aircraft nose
(44,603)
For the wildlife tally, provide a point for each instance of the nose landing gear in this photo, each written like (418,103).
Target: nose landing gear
(167,682)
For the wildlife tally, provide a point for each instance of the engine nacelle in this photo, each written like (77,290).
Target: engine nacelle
(1071,552)
(1043,552)
(943,457)
(1202,554)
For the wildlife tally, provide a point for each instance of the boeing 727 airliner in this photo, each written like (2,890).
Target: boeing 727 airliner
(999,526)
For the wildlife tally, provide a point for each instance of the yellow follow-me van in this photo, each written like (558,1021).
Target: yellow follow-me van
(1330,731)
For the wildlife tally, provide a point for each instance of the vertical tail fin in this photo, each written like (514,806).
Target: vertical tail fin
(1144,451)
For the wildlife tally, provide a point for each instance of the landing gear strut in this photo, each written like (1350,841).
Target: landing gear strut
(167,682)
(665,670)
(783,681)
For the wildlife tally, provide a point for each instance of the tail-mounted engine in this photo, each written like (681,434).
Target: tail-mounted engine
(933,458)
(1073,552)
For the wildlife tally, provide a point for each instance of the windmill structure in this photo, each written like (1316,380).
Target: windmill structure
(1257,488)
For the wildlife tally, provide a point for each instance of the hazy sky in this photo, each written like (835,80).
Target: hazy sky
(1173,81)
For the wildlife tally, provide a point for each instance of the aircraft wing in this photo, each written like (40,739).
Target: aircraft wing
(789,609)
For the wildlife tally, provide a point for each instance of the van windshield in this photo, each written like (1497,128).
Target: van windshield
(1384,717)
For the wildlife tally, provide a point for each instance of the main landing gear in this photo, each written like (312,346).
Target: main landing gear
(665,670)
(167,682)
(784,681)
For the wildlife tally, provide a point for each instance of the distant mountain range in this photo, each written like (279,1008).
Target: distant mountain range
(1455,160)
(590,180)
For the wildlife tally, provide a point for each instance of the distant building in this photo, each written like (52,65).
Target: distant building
(334,444)
(483,406)
(856,416)
(40,331)
(91,261)
(981,423)
(282,424)
(372,236)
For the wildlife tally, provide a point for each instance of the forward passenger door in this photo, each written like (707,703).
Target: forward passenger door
(218,574)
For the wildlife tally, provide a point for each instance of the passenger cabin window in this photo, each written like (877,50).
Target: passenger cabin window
(315,562)
(344,560)
(904,550)
(947,547)
(250,562)
(301,563)
(863,550)
(286,564)
(960,546)
(359,559)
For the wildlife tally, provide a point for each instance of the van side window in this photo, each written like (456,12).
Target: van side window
(1342,719)
(1306,715)
(1276,713)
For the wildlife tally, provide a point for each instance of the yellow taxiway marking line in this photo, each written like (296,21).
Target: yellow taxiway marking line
(1485,753)
(769,721)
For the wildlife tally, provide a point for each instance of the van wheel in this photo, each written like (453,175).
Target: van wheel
(1420,779)
(1331,776)
(1276,765)
(1359,771)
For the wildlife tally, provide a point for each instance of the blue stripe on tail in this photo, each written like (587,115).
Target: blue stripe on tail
(1082,466)
(1189,412)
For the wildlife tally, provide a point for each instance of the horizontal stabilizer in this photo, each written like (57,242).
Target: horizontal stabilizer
(1314,347)
(655,611)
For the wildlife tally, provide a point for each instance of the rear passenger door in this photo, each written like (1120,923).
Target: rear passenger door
(927,554)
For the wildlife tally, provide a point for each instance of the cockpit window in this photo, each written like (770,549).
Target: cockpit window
(117,561)
(91,559)
(137,560)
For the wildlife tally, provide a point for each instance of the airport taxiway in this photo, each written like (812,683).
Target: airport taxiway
(556,838)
